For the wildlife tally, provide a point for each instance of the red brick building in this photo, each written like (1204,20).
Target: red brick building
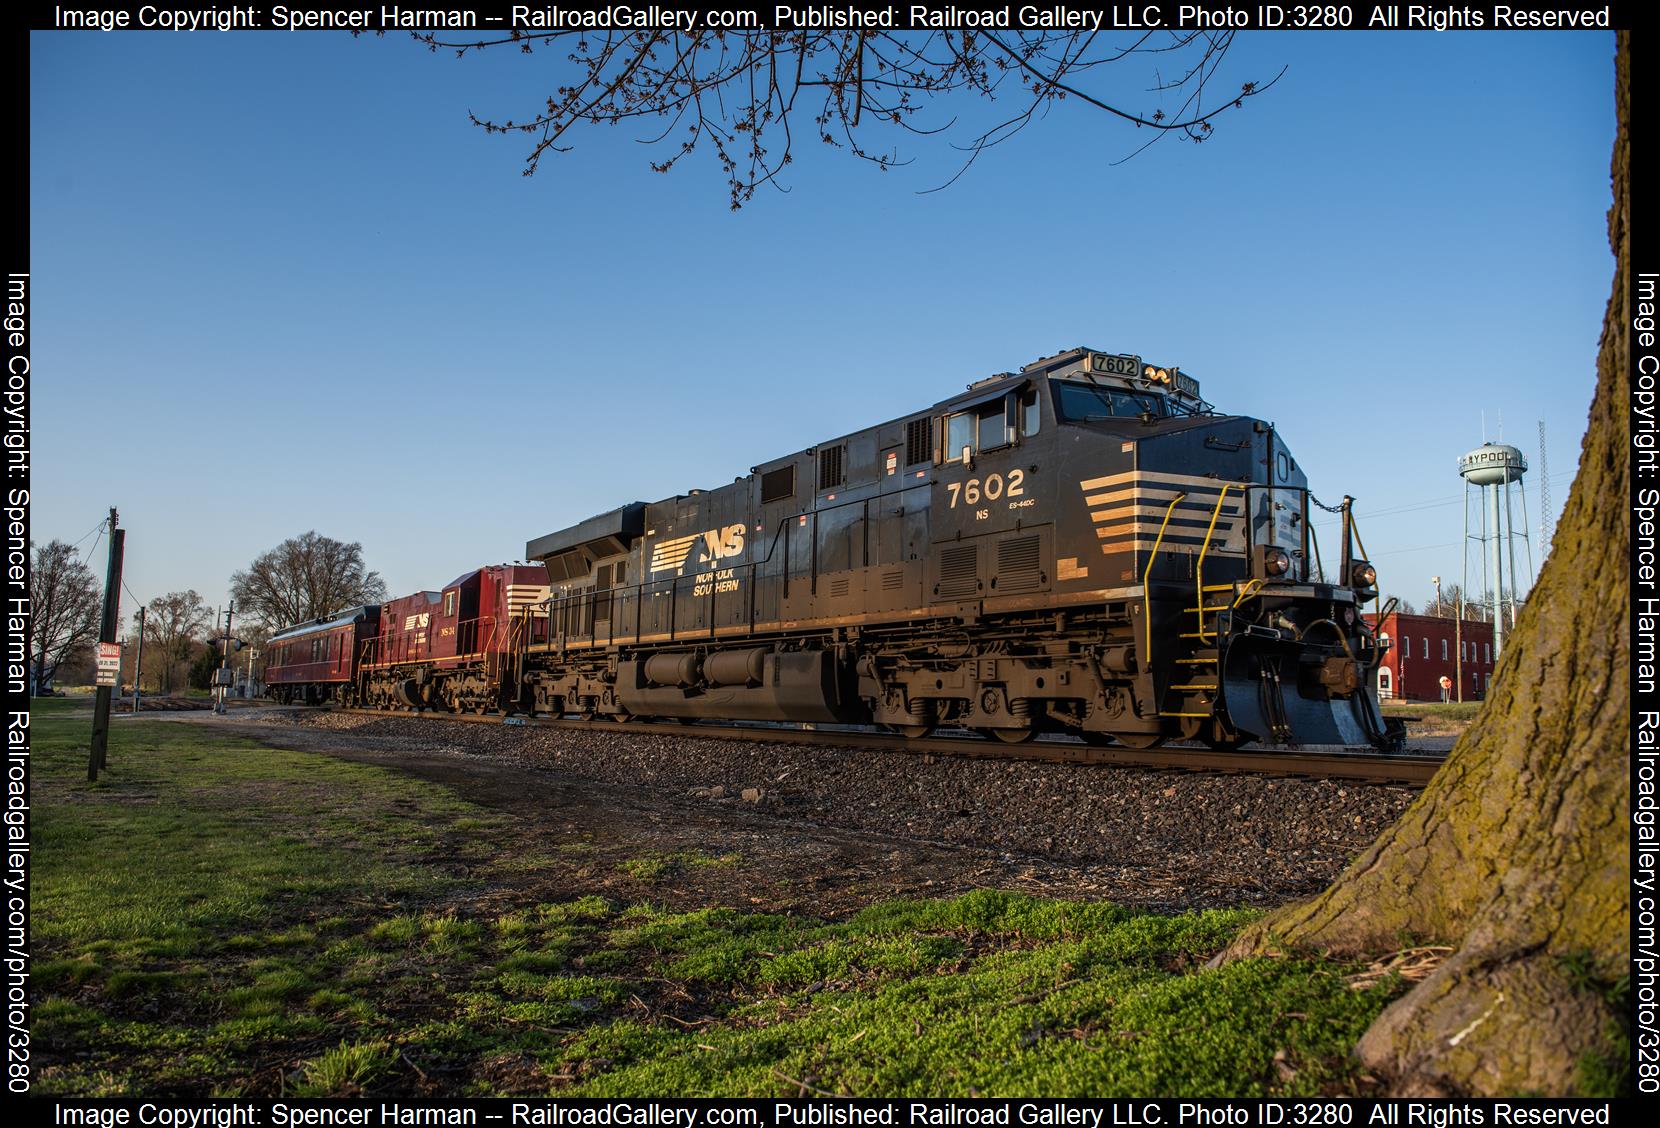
(1424,649)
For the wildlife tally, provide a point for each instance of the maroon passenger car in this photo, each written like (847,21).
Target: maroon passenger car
(317,661)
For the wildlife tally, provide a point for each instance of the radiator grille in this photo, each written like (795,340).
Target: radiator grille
(602,593)
(830,467)
(893,581)
(919,441)
(1019,565)
(838,587)
(776,485)
(959,572)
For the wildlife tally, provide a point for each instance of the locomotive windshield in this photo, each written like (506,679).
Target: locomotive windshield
(1084,403)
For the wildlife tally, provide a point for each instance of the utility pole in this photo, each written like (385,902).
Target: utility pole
(1458,634)
(99,756)
(138,663)
(224,663)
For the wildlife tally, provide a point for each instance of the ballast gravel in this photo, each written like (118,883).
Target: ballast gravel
(1174,839)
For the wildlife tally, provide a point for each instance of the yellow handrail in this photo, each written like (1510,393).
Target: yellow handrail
(1200,567)
(1146,576)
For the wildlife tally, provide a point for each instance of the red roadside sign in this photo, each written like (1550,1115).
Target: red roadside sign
(109,663)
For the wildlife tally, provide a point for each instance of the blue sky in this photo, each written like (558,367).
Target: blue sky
(281,284)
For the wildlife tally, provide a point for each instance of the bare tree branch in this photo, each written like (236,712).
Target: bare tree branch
(172,626)
(65,601)
(729,90)
(303,578)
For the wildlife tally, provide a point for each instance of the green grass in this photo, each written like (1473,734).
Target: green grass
(656,866)
(1448,711)
(216,917)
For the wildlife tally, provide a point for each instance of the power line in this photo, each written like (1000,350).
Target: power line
(1413,506)
(87,559)
(89,532)
(1415,548)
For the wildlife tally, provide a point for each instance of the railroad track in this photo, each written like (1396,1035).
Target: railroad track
(1359,764)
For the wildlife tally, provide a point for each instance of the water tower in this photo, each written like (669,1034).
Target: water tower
(1495,471)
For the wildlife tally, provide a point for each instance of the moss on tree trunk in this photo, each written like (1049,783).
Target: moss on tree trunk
(1518,852)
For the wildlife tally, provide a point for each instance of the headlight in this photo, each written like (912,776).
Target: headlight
(1363,575)
(1276,562)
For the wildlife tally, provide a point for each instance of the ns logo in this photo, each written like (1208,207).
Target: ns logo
(718,544)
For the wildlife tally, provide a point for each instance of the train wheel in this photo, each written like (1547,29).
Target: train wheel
(1140,741)
(1012,736)
(912,732)
(1098,739)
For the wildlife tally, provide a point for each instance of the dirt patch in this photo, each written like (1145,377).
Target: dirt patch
(691,822)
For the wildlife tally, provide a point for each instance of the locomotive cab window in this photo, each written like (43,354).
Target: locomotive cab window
(1086,403)
(449,603)
(960,430)
(981,428)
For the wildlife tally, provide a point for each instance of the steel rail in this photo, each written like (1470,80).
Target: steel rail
(1415,769)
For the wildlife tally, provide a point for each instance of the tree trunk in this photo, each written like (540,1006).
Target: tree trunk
(1518,853)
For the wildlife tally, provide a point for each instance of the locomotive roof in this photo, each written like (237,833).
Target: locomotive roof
(615,530)
(471,572)
(323,623)
(621,524)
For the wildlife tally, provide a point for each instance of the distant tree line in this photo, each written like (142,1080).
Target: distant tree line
(303,578)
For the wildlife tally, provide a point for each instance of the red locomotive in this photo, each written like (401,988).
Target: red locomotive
(450,648)
(446,649)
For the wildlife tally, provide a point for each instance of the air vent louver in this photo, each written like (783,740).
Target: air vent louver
(830,467)
(959,572)
(776,485)
(919,441)
(1019,565)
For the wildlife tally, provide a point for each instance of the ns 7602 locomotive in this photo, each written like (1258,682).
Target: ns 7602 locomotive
(1084,546)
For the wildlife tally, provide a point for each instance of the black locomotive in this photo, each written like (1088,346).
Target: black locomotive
(1084,546)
